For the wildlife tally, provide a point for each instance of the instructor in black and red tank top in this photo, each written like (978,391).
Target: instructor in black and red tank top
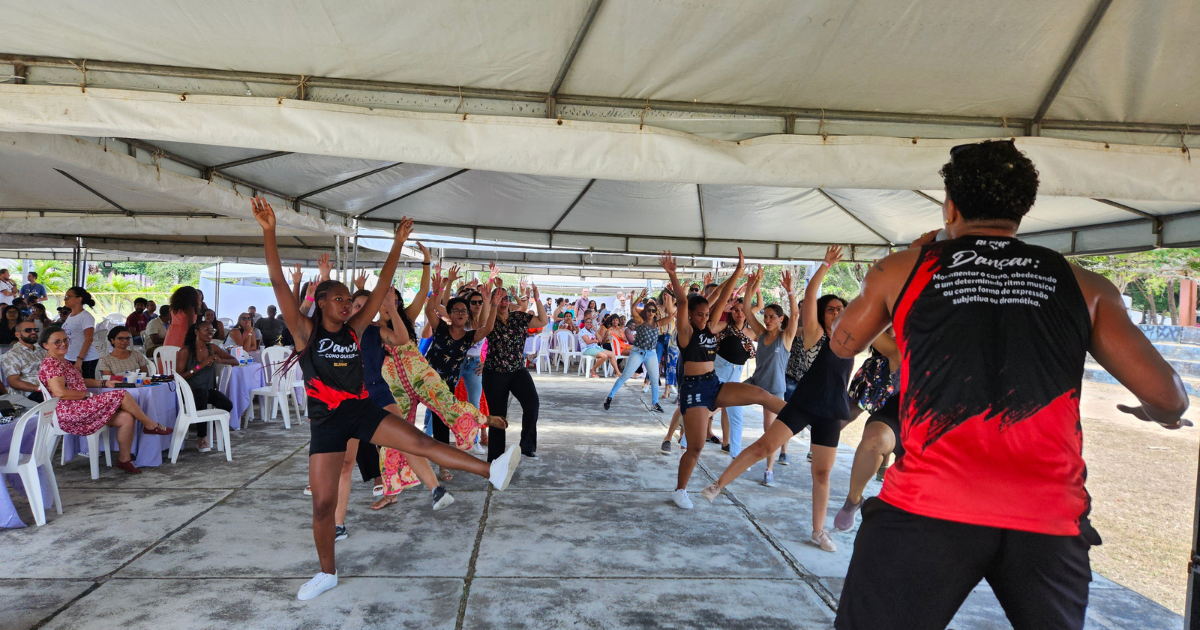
(993,334)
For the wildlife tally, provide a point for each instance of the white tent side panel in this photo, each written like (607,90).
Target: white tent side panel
(577,148)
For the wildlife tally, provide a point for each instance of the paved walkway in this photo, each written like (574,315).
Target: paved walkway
(586,537)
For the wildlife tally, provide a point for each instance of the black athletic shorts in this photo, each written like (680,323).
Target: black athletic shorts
(352,419)
(890,415)
(699,391)
(912,572)
(825,431)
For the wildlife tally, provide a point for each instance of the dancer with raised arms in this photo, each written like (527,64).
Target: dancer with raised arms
(339,407)
(820,401)
(698,320)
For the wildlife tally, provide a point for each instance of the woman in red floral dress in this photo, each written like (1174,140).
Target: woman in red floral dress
(82,413)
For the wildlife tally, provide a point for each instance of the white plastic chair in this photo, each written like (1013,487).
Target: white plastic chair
(541,347)
(226,322)
(189,415)
(26,465)
(115,319)
(164,359)
(279,387)
(96,442)
(564,349)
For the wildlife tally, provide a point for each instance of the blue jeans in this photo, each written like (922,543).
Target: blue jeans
(474,381)
(731,373)
(790,387)
(638,357)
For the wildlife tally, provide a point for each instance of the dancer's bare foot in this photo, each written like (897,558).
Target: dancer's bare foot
(384,501)
(497,422)
(446,475)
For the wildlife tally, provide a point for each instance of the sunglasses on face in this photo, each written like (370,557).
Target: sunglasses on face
(26,330)
(476,302)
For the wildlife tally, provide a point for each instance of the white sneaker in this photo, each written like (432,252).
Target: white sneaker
(822,540)
(681,499)
(479,450)
(308,491)
(503,468)
(320,583)
(645,388)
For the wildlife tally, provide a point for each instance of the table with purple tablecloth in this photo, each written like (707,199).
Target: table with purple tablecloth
(158,402)
(8,511)
(245,379)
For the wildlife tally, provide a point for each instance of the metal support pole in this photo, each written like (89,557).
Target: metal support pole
(337,258)
(217,291)
(354,268)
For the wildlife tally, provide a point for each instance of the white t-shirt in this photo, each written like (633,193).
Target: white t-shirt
(7,285)
(75,327)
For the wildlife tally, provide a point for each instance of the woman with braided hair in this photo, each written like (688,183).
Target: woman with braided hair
(339,408)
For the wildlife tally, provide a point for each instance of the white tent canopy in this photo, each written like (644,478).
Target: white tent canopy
(590,133)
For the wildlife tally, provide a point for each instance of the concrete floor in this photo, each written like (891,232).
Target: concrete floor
(586,537)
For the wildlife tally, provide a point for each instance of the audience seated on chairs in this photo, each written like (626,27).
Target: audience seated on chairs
(120,359)
(156,331)
(151,311)
(245,335)
(137,320)
(82,413)
(20,364)
(270,328)
(195,365)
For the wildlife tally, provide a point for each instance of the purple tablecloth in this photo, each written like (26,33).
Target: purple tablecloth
(8,511)
(245,379)
(158,402)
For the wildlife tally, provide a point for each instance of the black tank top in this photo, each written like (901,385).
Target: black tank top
(702,348)
(822,391)
(732,346)
(993,334)
(333,371)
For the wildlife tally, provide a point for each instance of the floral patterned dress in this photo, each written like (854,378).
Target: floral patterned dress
(79,417)
(413,381)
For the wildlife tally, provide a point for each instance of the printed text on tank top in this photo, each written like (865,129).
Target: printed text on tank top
(333,371)
(993,334)
(701,348)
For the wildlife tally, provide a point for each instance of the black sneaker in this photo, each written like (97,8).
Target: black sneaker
(607,402)
(441,498)
(666,447)
(340,533)
(725,448)
(657,408)
(714,440)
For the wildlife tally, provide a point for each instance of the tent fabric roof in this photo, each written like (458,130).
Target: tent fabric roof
(589,132)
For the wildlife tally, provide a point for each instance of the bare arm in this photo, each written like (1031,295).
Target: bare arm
(541,320)
(812,293)
(288,305)
(789,333)
(418,303)
(58,388)
(1127,354)
(297,277)
(752,283)
(399,336)
(490,321)
(361,319)
(15,382)
(682,322)
(88,335)
(723,293)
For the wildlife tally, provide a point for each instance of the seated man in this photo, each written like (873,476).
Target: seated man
(33,289)
(151,311)
(270,327)
(20,364)
(156,331)
(137,320)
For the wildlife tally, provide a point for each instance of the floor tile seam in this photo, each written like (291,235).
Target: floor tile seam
(104,578)
(460,619)
(87,591)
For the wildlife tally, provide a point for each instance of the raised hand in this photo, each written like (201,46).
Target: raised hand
(741,266)
(786,281)
(493,270)
(537,295)
(708,278)
(324,266)
(667,261)
(832,255)
(454,275)
(424,250)
(297,274)
(263,213)
(404,230)
(435,284)
(360,280)
(312,288)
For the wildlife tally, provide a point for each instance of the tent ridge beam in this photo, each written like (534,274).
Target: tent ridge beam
(700,201)
(570,58)
(347,181)
(114,204)
(1121,206)
(250,160)
(413,192)
(572,206)
(601,101)
(1068,64)
(886,241)
(931,199)
(155,150)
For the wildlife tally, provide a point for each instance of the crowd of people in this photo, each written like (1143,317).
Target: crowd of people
(977,343)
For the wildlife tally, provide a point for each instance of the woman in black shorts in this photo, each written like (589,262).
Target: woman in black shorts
(820,402)
(881,436)
(339,407)
(700,392)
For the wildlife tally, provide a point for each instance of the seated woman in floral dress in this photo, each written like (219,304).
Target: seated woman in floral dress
(83,413)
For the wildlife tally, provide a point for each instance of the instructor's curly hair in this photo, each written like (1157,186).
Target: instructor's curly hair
(991,181)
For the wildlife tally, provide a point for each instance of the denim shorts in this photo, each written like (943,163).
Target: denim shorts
(699,391)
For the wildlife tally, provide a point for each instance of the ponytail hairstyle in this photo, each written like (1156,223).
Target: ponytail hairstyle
(84,297)
(779,313)
(821,304)
(408,325)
